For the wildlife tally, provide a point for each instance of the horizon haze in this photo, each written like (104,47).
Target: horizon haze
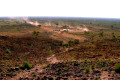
(67,8)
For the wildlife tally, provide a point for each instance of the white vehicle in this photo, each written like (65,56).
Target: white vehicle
(65,30)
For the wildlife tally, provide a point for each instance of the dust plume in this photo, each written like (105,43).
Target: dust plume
(30,22)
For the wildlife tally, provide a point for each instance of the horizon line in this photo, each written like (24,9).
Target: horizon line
(60,17)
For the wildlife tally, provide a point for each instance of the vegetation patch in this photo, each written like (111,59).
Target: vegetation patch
(117,68)
(27,65)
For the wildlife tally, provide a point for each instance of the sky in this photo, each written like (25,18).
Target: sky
(64,8)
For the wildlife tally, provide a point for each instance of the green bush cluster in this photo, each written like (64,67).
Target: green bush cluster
(35,33)
(27,65)
(101,34)
(66,68)
(87,69)
(8,51)
(1,69)
(117,68)
(75,63)
(65,44)
(70,43)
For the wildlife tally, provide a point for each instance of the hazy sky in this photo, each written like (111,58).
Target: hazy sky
(72,8)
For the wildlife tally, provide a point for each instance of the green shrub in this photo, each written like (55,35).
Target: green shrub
(105,68)
(99,79)
(60,72)
(66,68)
(33,74)
(8,51)
(65,44)
(48,65)
(13,73)
(75,63)
(101,63)
(1,69)
(70,42)
(49,49)
(7,72)
(87,70)
(101,34)
(92,66)
(117,68)
(35,33)
(113,36)
(27,65)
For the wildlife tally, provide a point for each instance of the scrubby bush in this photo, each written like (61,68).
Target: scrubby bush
(60,72)
(117,68)
(27,65)
(105,68)
(65,44)
(7,72)
(71,42)
(113,36)
(66,68)
(92,66)
(87,69)
(1,69)
(33,74)
(101,63)
(48,65)
(13,73)
(8,51)
(118,37)
(75,63)
(35,33)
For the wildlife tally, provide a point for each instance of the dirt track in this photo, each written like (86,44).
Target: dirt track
(64,36)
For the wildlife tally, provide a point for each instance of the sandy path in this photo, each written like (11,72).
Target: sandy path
(104,75)
(53,59)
